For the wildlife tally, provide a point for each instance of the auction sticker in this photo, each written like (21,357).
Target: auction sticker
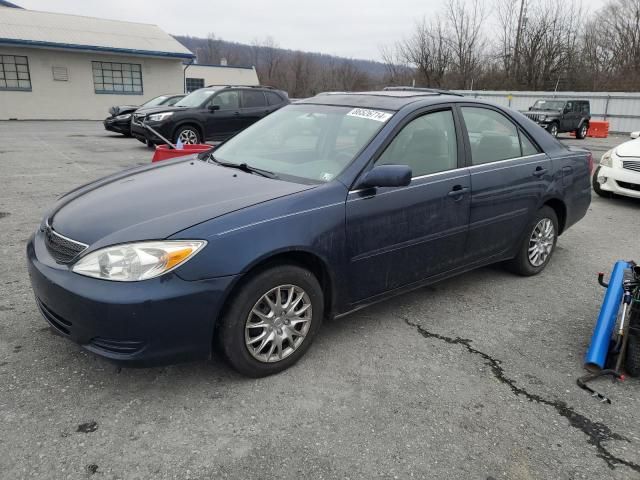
(376,115)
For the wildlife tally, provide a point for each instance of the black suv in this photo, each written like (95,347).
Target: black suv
(557,116)
(212,113)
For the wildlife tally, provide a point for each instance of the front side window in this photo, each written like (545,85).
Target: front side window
(309,142)
(227,100)
(14,73)
(492,136)
(426,144)
(117,78)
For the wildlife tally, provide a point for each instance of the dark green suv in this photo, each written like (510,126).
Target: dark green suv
(558,116)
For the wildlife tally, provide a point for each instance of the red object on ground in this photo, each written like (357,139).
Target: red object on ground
(164,152)
(597,129)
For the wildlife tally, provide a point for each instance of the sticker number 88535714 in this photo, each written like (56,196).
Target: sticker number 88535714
(376,115)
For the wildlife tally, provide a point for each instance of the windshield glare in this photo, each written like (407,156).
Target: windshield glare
(312,142)
(195,99)
(549,105)
(156,101)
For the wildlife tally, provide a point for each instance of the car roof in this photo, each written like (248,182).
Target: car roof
(383,99)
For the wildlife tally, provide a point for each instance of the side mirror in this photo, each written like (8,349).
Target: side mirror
(387,176)
(213,108)
(634,135)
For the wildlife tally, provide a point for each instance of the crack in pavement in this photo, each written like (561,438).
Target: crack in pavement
(598,433)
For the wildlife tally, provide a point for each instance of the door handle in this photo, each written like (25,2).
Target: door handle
(236,113)
(539,171)
(458,191)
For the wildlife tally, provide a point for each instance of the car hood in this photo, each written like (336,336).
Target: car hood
(122,109)
(160,109)
(156,202)
(628,149)
(548,113)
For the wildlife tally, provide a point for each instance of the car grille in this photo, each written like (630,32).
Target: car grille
(62,249)
(631,165)
(628,186)
(56,321)
(536,117)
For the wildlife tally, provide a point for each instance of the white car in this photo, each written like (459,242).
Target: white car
(619,171)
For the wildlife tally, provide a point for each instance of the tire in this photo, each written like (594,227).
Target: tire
(596,186)
(242,346)
(632,358)
(581,133)
(526,265)
(188,134)
(150,144)
(553,129)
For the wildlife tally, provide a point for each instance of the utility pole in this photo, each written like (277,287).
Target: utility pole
(516,53)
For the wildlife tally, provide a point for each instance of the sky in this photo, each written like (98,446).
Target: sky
(349,28)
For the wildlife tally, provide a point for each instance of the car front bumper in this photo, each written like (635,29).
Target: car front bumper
(144,135)
(118,126)
(153,322)
(619,181)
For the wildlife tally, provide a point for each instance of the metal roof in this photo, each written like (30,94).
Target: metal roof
(74,32)
(384,99)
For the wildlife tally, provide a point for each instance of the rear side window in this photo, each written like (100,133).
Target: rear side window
(253,99)
(273,98)
(426,144)
(492,136)
(528,148)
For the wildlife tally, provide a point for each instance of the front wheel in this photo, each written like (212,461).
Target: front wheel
(538,245)
(272,320)
(187,135)
(553,129)
(581,133)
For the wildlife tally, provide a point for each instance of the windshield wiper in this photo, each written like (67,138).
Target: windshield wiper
(244,167)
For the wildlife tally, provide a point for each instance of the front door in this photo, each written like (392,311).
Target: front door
(225,121)
(509,177)
(400,236)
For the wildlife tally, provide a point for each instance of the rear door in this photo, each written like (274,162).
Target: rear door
(225,121)
(254,106)
(399,236)
(509,177)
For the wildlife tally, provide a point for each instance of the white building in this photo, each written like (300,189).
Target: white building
(57,66)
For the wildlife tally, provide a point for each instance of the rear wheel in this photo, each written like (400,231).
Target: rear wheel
(272,320)
(581,133)
(538,245)
(188,135)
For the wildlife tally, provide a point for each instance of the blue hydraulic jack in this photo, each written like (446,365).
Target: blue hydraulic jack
(606,354)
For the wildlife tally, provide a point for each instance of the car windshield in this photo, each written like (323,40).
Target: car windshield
(156,101)
(549,105)
(197,98)
(311,142)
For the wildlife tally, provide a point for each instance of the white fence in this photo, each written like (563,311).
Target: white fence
(620,109)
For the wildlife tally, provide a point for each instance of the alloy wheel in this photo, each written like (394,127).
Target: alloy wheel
(583,131)
(541,242)
(553,130)
(278,323)
(188,136)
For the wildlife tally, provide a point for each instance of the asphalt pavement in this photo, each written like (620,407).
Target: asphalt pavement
(472,378)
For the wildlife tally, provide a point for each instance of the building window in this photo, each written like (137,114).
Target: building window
(118,78)
(194,84)
(14,73)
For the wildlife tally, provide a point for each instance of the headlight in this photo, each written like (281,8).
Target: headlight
(158,117)
(133,262)
(124,116)
(606,161)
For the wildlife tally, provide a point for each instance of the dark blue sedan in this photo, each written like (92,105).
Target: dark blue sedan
(325,206)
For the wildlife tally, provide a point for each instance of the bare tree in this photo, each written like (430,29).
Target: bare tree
(467,42)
